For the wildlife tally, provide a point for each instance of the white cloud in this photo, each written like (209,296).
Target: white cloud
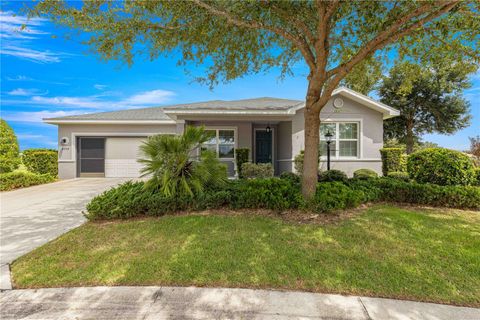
(29,136)
(25,92)
(37,116)
(76,102)
(98,102)
(100,86)
(17,33)
(150,97)
(19,78)
(78,105)
(30,54)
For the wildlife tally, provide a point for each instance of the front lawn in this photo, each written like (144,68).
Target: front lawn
(419,254)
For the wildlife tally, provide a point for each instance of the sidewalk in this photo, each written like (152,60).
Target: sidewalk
(210,303)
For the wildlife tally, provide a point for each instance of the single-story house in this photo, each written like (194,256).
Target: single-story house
(107,144)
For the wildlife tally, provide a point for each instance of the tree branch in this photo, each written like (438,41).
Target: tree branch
(368,50)
(299,42)
(297,22)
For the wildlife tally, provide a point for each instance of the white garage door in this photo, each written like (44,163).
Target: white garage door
(121,156)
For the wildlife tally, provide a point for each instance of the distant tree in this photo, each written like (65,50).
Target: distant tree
(9,154)
(429,98)
(234,38)
(475,146)
(419,145)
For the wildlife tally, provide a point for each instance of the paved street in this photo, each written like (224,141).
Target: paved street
(210,303)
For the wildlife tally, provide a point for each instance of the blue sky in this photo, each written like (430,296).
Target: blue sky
(46,76)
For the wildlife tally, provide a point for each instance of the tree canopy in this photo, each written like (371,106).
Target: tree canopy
(429,98)
(9,154)
(334,39)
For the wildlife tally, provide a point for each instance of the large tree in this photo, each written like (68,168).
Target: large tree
(235,38)
(429,98)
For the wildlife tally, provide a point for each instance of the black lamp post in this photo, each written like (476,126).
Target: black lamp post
(328,136)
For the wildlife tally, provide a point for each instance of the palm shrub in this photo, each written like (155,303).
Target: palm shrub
(175,169)
(9,154)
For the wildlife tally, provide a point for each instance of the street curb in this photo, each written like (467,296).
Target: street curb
(5,280)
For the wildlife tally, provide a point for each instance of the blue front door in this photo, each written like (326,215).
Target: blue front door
(263,146)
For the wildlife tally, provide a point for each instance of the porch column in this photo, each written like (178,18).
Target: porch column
(180,126)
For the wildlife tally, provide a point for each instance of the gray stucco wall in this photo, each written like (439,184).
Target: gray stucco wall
(67,167)
(371,135)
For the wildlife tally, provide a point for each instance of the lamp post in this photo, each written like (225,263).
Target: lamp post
(328,136)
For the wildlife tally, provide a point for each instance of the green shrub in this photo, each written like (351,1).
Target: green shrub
(365,174)
(331,196)
(441,166)
(131,199)
(257,170)
(393,160)
(332,175)
(298,163)
(42,161)
(371,192)
(477,175)
(9,155)
(241,158)
(295,178)
(272,193)
(463,197)
(22,179)
(399,175)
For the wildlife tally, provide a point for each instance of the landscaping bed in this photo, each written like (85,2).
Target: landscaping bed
(384,251)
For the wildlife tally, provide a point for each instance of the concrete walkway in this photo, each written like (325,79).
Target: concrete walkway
(210,303)
(33,216)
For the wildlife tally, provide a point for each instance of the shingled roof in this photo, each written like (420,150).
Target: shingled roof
(160,113)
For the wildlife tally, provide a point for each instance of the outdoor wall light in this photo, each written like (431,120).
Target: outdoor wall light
(329,137)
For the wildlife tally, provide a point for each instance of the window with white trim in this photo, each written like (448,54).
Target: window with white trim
(222,142)
(345,140)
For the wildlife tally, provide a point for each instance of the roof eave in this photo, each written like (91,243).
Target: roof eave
(85,121)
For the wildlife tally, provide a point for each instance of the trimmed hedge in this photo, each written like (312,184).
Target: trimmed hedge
(331,196)
(477,175)
(399,175)
(132,198)
(332,175)
(441,166)
(241,158)
(22,179)
(272,193)
(393,160)
(257,170)
(9,154)
(41,161)
(387,189)
(295,178)
(365,174)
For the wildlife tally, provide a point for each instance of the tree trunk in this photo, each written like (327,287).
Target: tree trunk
(409,140)
(310,161)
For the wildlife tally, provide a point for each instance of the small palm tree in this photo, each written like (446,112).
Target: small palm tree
(174,166)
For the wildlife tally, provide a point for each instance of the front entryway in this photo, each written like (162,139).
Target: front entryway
(263,146)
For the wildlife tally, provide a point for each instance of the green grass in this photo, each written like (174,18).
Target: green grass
(426,255)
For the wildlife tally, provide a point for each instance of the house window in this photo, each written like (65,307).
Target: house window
(344,141)
(222,142)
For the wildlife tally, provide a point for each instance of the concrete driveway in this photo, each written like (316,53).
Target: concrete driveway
(33,216)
